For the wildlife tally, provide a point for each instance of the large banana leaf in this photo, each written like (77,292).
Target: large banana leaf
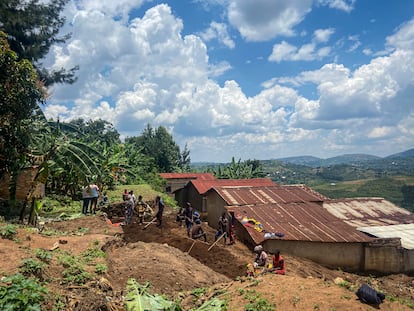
(138,298)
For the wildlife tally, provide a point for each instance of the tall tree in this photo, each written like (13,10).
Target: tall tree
(185,160)
(240,169)
(20,94)
(98,131)
(160,145)
(32,26)
(63,161)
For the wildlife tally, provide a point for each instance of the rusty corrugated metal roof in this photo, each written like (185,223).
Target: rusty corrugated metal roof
(368,212)
(234,195)
(403,231)
(298,221)
(203,186)
(199,176)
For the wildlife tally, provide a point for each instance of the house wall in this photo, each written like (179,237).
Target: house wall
(174,184)
(181,196)
(189,194)
(382,255)
(386,255)
(348,256)
(409,261)
(194,197)
(24,183)
(214,208)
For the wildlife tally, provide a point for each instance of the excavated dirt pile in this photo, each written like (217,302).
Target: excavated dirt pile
(175,265)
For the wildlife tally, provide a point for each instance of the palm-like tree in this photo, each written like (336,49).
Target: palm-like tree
(59,157)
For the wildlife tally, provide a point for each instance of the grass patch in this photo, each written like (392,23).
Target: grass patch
(56,205)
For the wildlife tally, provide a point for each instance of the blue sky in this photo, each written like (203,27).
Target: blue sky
(256,79)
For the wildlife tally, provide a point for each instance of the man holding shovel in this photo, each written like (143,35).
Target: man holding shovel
(160,204)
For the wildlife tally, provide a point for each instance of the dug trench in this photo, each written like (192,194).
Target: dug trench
(175,265)
(171,261)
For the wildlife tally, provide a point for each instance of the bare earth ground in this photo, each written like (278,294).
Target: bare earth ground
(175,265)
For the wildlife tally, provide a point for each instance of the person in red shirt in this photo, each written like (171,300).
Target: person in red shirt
(278,263)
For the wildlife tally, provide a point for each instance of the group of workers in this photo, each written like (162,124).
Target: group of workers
(138,207)
(263,262)
(226,228)
(192,221)
(191,218)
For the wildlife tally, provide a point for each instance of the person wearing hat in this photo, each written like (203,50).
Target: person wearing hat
(260,264)
(262,259)
(197,231)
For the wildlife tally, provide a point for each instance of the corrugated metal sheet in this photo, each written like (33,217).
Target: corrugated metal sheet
(203,186)
(200,176)
(261,195)
(298,221)
(364,212)
(403,231)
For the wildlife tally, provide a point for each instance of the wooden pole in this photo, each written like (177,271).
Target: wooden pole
(221,236)
(198,240)
(152,221)
(191,247)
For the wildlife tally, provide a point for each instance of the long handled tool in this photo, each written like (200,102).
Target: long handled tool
(220,237)
(151,222)
(191,247)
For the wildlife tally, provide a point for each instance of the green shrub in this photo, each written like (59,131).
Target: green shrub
(74,269)
(9,231)
(101,268)
(198,292)
(20,293)
(76,274)
(260,304)
(31,266)
(43,255)
(92,253)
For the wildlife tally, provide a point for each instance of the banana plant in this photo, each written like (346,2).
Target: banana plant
(57,154)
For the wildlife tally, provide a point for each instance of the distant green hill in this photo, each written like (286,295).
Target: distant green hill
(303,160)
(351,175)
(354,159)
(342,159)
(404,154)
